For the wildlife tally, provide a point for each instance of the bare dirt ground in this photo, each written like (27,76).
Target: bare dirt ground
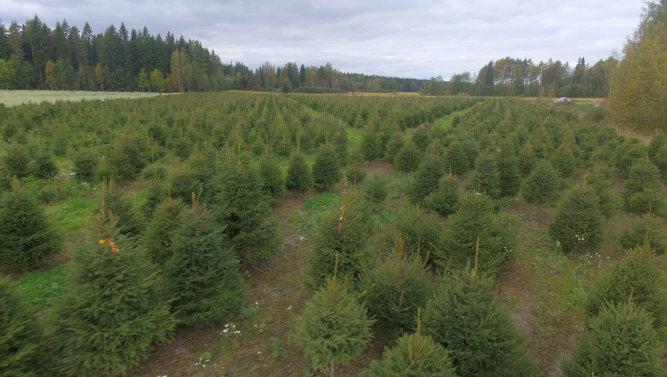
(379,167)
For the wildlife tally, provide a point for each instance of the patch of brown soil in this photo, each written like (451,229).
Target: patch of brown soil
(378,166)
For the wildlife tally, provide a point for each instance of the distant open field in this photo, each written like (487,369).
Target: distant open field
(18,97)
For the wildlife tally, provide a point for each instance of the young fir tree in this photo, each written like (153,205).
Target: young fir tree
(44,166)
(599,178)
(21,339)
(326,173)
(649,230)
(241,207)
(510,174)
(486,176)
(422,233)
(407,158)
(372,146)
(158,238)
(355,172)
(426,179)
(422,137)
(456,158)
(375,188)
(621,342)
(445,199)
(639,279)
(527,159)
(578,222)
(333,328)
(298,175)
(26,237)
(629,154)
(464,317)
(130,221)
(414,355)
(541,186)
(642,192)
(85,164)
(273,183)
(17,160)
(564,160)
(340,242)
(394,288)
(108,319)
(201,276)
(474,225)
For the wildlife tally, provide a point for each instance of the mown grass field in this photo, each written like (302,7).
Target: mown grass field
(19,97)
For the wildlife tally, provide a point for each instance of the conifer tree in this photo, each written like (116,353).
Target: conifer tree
(456,159)
(298,175)
(407,158)
(486,177)
(421,233)
(21,339)
(26,237)
(355,173)
(422,137)
(621,342)
(201,276)
(85,164)
(341,145)
(130,221)
(541,186)
(578,222)
(527,159)
(630,152)
(637,278)
(650,230)
(158,238)
(642,191)
(426,179)
(476,225)
(394,288)
(44,166)
(510,174)
(372,146)
(599,178)
(333,328)
(326,172)
(17,160)
(464,317)
(445,199)
(273,183)
(108,319)
(414,355)
(340,242)
(242,208)
(564,160)
(375,188)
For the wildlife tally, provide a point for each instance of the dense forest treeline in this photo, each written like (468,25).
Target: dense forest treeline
(523,77)
(34,56)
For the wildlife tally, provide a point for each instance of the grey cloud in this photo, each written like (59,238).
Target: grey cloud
(421,38)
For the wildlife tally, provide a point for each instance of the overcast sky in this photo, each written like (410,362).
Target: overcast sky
(412,38)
